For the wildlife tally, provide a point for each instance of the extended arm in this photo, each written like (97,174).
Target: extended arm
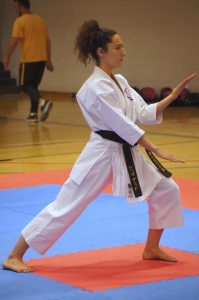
(11,47)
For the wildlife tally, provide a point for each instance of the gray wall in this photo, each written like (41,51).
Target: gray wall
(160,37)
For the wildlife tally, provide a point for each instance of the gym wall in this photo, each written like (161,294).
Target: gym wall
(160,38)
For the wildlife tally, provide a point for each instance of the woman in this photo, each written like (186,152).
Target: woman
(110,106)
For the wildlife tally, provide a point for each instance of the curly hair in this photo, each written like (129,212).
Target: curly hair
(91,37)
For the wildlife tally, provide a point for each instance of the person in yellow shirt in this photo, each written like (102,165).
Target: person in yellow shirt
(30,31)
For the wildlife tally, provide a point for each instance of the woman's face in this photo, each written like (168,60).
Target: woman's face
(114,55)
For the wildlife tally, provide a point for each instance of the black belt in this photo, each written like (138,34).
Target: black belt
(112,136)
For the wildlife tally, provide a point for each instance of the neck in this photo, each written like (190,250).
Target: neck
(107,69)
(25,11)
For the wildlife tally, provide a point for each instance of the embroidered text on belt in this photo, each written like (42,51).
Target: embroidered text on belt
(112,136)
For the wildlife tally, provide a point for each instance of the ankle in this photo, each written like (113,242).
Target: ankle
(151,248)
(13,255)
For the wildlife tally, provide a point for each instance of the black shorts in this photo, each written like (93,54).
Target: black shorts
(31,73)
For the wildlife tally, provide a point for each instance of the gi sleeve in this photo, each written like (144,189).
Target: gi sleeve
(146,113)
(114,118)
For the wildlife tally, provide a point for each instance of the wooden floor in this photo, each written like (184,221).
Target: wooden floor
(56,143)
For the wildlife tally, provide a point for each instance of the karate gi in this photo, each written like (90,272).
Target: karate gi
(107,107)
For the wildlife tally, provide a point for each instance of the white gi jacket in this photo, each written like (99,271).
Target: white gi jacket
(105,107)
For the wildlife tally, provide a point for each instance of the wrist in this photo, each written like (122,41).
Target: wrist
(173,95)
(154,149)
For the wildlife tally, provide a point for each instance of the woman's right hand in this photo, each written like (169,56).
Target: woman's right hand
(168,156)
(183,84)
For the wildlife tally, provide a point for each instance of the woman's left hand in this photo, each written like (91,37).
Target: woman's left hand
(168,156)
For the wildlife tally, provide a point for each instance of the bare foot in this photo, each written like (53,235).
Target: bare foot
(157,254)
(16,265)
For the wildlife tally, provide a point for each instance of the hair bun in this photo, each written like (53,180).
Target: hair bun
(91,26)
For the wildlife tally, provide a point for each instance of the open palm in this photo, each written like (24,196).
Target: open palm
(183,84)
(168,156)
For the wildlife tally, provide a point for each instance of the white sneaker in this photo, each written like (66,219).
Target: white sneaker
(45,110)
(32,118)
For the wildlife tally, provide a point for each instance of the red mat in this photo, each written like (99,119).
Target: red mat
(189,188)
(9,181)
(114,267)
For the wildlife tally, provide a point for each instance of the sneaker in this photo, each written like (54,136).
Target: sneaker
(32,118)
(45,110)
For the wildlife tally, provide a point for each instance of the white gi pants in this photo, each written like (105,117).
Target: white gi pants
(43,231)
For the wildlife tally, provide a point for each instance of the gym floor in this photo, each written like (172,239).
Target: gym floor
(99,256)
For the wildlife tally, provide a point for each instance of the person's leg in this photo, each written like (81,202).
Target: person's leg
(152,249)
(43,231)
(29,74)
(45,105)
(38,73)
(15,259)
(165,211)
(34,99)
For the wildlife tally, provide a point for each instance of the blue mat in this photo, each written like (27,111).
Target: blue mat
(114,221)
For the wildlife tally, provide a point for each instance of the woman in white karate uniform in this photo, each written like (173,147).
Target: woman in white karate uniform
(108,104)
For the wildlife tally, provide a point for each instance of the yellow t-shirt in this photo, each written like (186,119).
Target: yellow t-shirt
(33,32)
